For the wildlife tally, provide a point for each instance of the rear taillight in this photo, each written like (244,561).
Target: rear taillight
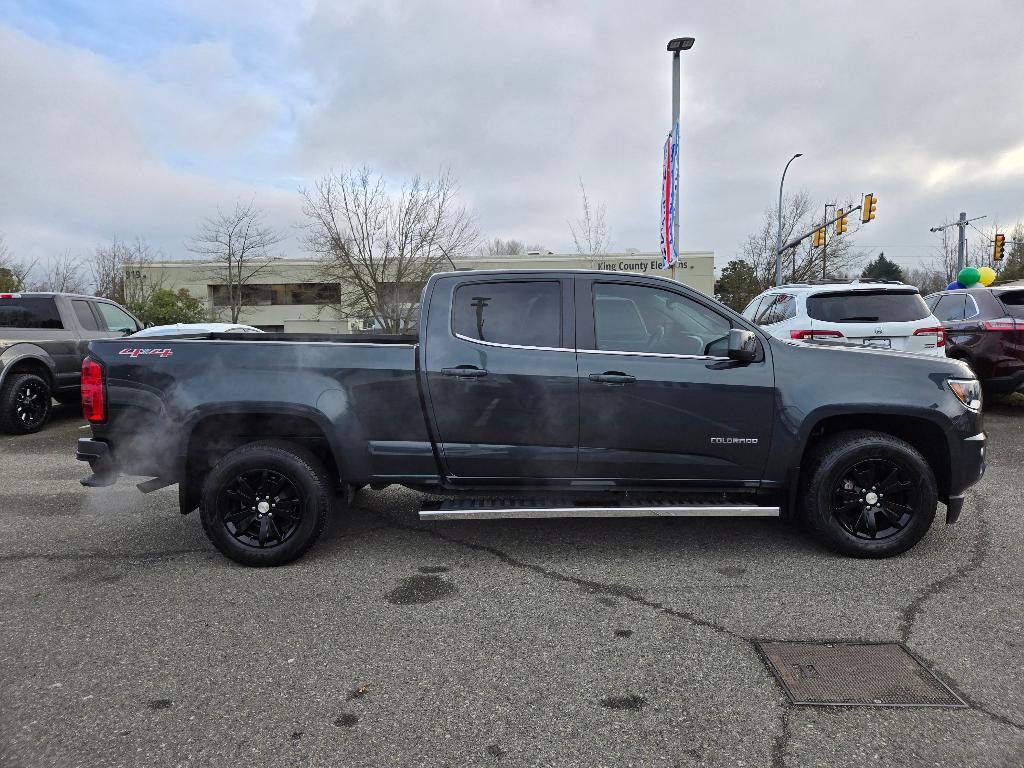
(939,332)
(1001,324)
(804,335)
(94,406)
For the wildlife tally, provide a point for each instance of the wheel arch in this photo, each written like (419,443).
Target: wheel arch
(32,359)
(214,433)
(924,434)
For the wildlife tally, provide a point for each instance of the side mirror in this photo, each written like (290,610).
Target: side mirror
(149,325)
(126,331)
(742,345)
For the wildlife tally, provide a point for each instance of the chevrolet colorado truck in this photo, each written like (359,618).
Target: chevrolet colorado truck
(43,340)
(535,393)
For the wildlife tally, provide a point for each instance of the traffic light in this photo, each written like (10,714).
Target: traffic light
(867,211)
(819,237)
(840,222)
(997,249)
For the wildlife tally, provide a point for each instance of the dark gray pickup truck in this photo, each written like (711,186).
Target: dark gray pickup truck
(534,393)
(43,339)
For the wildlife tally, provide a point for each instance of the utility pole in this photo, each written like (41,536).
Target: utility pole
(961,244)
(676,45)
(778,240)
(824,242)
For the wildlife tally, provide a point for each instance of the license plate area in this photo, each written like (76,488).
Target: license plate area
(878,343)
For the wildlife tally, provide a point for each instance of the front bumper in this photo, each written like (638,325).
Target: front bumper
(101,462)
(969,464)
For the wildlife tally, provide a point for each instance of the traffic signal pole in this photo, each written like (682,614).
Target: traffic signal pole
(961,243)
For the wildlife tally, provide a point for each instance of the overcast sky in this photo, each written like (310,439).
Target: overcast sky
(139,118)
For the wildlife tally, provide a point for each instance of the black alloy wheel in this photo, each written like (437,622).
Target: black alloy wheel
(25,404)
(874,499)
(266,503)
(867,493)
(262,508)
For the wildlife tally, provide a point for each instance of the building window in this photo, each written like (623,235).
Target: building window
(284,294)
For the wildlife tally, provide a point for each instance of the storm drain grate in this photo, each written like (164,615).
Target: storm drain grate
(855,674)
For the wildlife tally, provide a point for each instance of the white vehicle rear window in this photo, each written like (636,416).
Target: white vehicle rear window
(867,306)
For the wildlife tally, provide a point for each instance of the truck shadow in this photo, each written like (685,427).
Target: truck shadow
(397,509)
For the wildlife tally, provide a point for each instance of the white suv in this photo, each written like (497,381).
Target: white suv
(885,314)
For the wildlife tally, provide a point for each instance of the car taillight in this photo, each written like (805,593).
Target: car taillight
(802,335)
(940,334)
(94,407)
(1001,324)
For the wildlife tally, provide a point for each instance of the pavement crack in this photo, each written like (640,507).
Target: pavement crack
(593,587)
(781,743)
(915,608)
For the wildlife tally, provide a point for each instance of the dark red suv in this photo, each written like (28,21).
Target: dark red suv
(985,329)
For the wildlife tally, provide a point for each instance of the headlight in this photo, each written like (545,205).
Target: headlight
(967,391)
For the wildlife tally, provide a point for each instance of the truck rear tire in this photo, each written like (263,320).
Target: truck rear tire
(24,404)
(266,503)
(868,494)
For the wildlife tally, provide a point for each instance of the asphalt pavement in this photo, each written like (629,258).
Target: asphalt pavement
(126,639)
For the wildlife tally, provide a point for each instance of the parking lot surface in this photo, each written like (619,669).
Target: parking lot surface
(126,639)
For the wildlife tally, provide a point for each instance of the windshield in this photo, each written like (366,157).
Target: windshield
(1013,302)
(867,307)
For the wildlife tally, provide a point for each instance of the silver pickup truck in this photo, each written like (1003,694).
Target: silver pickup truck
(43,338)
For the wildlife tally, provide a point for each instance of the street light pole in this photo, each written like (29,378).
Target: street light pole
(676,45)
(778,240)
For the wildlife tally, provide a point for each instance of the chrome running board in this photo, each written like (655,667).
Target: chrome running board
(493,509)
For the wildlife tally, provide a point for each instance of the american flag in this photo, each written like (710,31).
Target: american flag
(669,204)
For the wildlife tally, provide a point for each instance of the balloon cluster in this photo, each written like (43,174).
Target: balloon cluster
(970,276)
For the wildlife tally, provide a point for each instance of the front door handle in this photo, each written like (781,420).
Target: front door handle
(464,372)
(612,377)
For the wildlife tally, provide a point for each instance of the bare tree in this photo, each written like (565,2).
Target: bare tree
(380,248)
(510,247)
(62,274)
(590,233)
(238,242)
(13,273)
(121,271)
(804,262)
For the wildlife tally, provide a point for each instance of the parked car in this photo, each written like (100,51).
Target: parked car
(43,339)
(539,393)
(985,329)
(184,328)
(872,313)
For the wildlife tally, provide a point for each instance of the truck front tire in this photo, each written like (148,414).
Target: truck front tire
(25,404)
(868,494)
(265,503)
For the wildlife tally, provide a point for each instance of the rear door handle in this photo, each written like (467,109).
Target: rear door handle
(464,372)
(612,377)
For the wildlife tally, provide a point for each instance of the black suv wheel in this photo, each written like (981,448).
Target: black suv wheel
(869,494)
(265,503)
(24,404)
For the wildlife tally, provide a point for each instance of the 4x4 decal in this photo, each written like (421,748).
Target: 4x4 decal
(138,352)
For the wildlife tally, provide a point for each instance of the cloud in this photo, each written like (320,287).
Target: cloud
(141,121)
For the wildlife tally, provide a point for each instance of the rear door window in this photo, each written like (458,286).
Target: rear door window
(751,310)
(86,318)
(1013,302)
(775,309)
(30,312)
(867,307)
(950,308)
(525,314)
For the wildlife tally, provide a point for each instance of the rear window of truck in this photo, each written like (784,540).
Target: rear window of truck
(527,313)
(29,312)
(1013,301)
(867,307)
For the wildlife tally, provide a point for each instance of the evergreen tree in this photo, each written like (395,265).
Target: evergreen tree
(883,269)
